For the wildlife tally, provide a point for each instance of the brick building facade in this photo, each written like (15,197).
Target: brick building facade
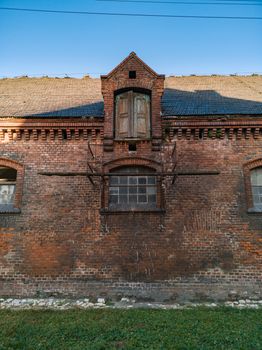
(132,185)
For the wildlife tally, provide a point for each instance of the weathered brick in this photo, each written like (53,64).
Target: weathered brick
(203,243)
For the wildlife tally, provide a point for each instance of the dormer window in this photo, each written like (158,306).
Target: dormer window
(132,115)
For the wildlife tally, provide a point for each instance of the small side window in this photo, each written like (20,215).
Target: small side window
(256,183)
(7,187)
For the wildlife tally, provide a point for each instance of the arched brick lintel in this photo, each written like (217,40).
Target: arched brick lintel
(10,163)
(147,85)
(255,163)
(138,161)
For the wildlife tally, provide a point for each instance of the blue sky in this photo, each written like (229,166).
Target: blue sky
(58,44)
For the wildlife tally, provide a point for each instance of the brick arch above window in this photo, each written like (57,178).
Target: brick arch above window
(247,169)
(136,161)
(147,85)
(142,89)
(16,205)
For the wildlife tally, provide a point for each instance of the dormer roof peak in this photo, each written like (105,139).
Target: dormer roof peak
(131,56)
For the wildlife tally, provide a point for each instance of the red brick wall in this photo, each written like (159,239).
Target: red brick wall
(60,242)
(201,242)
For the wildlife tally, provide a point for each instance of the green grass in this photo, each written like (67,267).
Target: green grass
(221,328)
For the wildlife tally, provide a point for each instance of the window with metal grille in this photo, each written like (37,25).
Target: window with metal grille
(7,186)
(256,183)
(133,188)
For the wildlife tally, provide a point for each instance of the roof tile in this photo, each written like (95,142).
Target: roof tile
(194,95)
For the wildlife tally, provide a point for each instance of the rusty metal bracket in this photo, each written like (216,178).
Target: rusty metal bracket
(99,174)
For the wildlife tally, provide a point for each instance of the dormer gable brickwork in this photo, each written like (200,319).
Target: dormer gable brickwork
(143,78)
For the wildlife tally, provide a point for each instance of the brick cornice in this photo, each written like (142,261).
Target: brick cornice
(211,129)
(33,129)
(11,122)
(202,123)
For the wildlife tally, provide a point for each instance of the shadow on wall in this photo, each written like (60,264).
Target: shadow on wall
(174,102)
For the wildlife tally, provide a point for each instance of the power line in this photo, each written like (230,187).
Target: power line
(236,1)
(168,74)
(181,2)
(240,0)
(52,75)
(127,14)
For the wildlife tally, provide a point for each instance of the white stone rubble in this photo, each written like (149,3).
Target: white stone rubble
(85,303)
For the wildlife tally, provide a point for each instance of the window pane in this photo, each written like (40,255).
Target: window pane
(113,199)
(256,199)
(142,199)
(151,180)
(7,194)
(114,180)
(123,190)
(132,199)
(152,198)
(141,190)
(123,180)
(256,177)
(113,190)
(132,180)
(133,190)
(151,190)
(259,177)
(255,190)
(253,177)
(142,180)
(123,198)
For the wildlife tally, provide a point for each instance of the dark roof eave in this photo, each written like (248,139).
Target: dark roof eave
(49,117)
(218,115)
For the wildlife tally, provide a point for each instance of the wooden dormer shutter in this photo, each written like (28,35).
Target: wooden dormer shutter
(122,115)
(141,118)
(132,115)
